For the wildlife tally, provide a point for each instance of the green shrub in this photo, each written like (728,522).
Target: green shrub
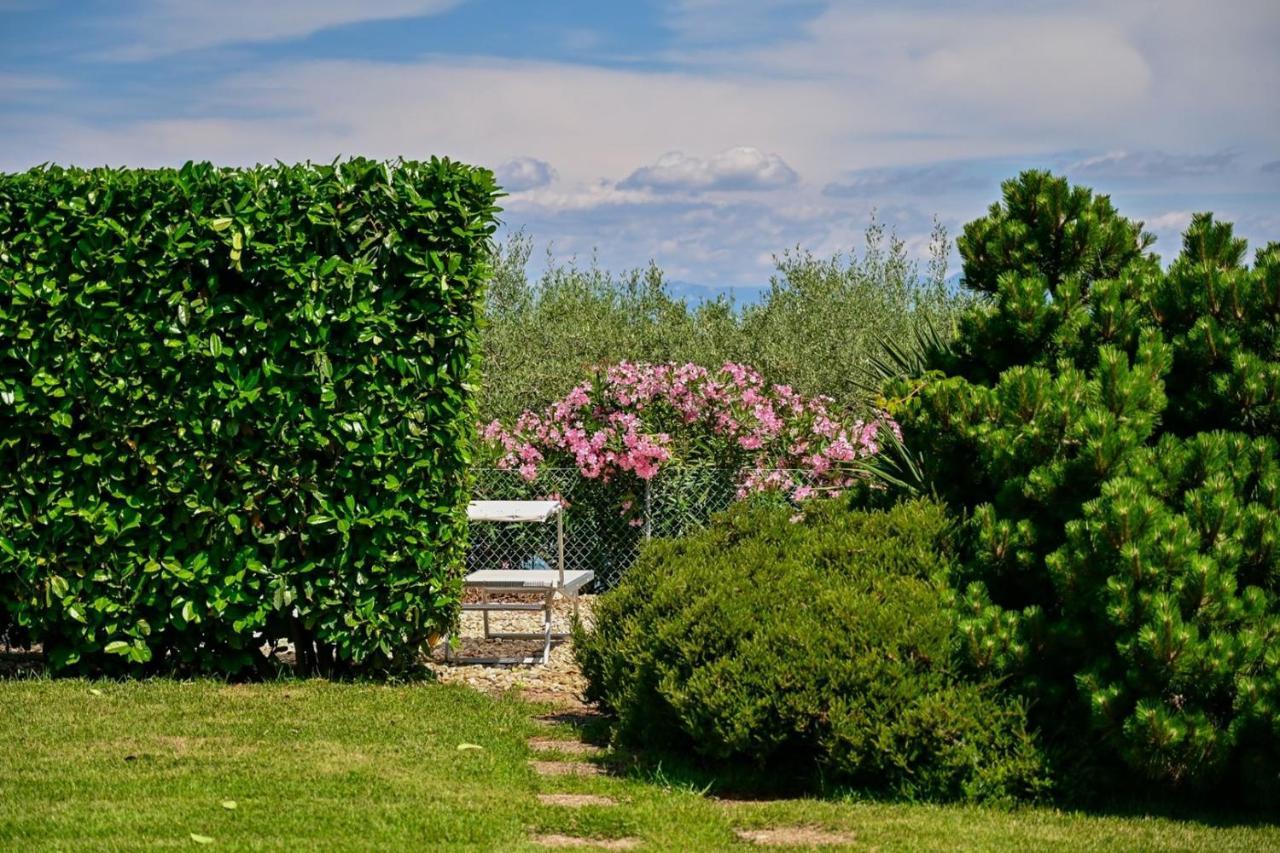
(235,408)
(1110,427)
(819,646)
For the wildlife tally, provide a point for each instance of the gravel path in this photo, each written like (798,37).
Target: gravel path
(558,682)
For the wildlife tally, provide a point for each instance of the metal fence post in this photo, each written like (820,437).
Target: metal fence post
(648,509)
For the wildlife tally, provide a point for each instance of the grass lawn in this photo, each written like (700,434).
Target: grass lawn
(311,765)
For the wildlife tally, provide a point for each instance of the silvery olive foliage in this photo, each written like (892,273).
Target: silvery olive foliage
(817,328)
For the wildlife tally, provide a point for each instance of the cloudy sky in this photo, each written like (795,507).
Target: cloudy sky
(704,134)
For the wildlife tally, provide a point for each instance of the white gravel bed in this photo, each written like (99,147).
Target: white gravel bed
(558,682)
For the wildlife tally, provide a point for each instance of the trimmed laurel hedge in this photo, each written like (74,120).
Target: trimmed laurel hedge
(236,408)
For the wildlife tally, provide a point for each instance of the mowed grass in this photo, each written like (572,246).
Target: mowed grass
(314,765)
(307,764)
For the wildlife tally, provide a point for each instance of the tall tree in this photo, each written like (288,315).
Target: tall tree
(1109,428)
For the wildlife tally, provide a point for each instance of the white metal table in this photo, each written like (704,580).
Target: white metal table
(545,584)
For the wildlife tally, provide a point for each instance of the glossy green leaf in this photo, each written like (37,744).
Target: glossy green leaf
(194,363)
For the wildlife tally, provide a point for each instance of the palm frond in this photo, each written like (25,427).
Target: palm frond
(897,357)
(897,466)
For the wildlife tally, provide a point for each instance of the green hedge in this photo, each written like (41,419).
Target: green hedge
(236,407)
(811,648)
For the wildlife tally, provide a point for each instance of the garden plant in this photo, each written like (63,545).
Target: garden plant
(815,647)
(237,408)
(631,420)
(816,328)
(1109,429)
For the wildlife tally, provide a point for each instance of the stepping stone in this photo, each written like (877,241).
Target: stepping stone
(795,836)
(576,801)
(580,715)
(597,843)
(572,747)
(565,768)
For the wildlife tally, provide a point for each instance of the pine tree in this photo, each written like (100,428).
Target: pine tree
(1109,430)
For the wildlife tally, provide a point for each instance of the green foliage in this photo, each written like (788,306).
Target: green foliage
(541,338)
(817,328)
(822,642)
(821,326)
(236,409)
(1109,427)
(1045,227)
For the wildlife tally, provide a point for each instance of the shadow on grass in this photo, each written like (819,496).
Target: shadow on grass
(30,663)
(1202,808)
(748,782)
(686,770)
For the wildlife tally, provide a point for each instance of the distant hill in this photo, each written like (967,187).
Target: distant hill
(695,294)
(749,294)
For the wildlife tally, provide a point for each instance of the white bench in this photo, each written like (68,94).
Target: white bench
(543,583)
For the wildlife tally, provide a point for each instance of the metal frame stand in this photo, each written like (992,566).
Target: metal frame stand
(547,594)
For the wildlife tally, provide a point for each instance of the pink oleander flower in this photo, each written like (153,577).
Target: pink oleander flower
(635,419)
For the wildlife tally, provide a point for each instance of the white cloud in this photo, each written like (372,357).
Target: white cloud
(724,241)
(592,123)
(872,101)
(738,168)
(1174,220)
(586,196)
(857,90)
(1034,62)
(1152,164)
(925,180)
(524,173)
(1063,74)
(165,27)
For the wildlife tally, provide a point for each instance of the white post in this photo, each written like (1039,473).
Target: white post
(560,542)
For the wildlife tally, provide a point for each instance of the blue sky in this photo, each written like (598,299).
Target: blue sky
(706,135)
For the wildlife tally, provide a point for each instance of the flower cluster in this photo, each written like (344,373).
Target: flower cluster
(633,419)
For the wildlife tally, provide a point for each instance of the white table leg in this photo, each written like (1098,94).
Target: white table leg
(484,599)
(546,627)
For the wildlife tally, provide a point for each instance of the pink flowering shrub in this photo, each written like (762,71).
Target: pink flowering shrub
(634,419)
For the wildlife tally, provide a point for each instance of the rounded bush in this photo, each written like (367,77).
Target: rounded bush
(813,645)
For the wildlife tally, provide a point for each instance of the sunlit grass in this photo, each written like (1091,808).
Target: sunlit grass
(312,765)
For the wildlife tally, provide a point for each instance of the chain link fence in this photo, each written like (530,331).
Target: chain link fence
(604,523)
